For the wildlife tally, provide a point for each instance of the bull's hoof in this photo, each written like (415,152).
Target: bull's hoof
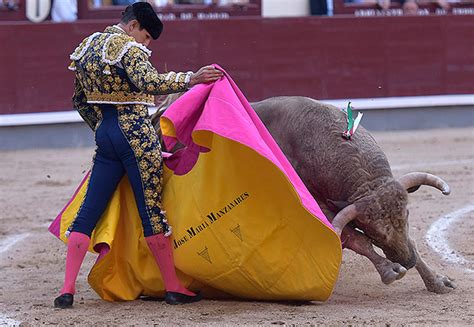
(392,272)
(441,285)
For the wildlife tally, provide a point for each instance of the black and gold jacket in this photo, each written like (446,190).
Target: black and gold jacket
(112,68)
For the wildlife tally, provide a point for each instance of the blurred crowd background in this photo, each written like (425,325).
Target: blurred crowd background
(66,10)
(160,3)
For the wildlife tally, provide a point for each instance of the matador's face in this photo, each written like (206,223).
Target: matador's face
(140,34)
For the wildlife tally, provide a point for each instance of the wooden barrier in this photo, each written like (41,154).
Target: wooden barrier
(325,58)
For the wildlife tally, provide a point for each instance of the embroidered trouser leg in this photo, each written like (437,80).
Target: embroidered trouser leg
(138,131)
(106,173)
(114,157)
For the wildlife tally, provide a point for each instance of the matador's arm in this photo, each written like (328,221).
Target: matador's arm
(86,111)
(147,79)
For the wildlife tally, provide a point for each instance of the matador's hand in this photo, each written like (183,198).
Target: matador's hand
(206,75)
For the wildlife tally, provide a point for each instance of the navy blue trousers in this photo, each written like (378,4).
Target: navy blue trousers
(113,159)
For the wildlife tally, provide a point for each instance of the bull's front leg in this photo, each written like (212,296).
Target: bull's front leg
(361,244)
(434,282)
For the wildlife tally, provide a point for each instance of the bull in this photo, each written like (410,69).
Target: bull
(351,181)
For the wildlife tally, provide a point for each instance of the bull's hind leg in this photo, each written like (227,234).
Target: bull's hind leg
(433,281)
(358,242)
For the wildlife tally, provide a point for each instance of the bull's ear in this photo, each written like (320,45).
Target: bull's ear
(337,206)
(413,189)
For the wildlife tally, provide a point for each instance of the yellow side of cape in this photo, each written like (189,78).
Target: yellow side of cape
(239,229)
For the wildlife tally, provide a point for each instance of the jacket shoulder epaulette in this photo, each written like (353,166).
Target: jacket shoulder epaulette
(117,45)
(113,49)
(81,50)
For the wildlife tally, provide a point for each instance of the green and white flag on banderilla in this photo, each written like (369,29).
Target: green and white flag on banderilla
(352,123)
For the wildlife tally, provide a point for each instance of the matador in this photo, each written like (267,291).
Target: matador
(115,83)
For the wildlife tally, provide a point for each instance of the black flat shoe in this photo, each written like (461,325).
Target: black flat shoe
(64,301)
(179,298)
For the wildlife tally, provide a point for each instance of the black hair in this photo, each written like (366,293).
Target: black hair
(128,15)
(146,17)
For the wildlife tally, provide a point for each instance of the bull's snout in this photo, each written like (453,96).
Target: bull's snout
(406,258)
(410,263)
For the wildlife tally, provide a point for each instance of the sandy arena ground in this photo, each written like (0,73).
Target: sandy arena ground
(35,184)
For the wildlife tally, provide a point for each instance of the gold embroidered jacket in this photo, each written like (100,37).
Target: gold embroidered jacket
(112,68)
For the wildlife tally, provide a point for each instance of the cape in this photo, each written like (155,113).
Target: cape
(244,224)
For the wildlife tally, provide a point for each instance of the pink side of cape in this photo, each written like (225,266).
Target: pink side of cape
(221,108)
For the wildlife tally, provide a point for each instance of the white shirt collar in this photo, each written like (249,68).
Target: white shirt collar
(118,27)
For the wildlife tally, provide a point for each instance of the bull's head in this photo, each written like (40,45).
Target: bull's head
(155,118)
(383,216)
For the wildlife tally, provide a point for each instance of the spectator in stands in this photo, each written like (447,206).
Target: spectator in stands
(9,4)
(324,7)
(123,2)
(443,4)
(64,11)
(212,2)
(410,7)
(161,3)
(318,7)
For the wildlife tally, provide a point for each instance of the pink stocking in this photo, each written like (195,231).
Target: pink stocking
(161,248)
(76,251)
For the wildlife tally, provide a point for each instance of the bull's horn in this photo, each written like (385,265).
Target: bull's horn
(343,218)
(412,181)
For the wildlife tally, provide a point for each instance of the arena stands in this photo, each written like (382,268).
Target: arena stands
(364,8)
(161,3)
(176,9)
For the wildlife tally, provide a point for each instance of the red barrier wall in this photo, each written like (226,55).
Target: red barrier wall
(324,58)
